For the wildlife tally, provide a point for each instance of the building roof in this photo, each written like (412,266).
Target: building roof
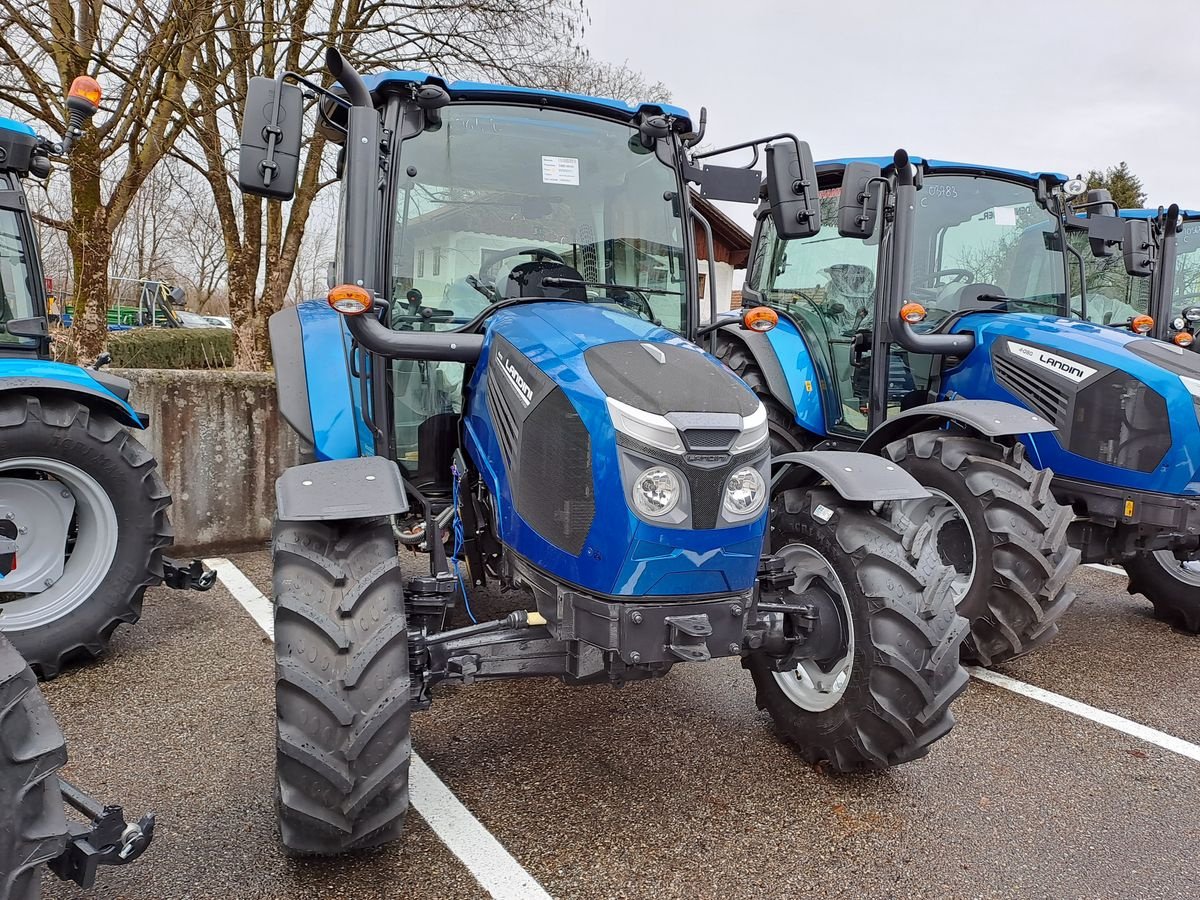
(731,242)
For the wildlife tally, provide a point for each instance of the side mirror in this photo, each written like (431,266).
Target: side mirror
(271,129)
(1137,246)
(858,205)
(792,190)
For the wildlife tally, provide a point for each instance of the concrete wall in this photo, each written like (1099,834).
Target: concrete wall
(220,444)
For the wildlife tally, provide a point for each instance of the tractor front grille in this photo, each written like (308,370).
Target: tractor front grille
(1044,397)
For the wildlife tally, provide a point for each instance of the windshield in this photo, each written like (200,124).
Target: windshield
(1187,268)
(16,297)
(975,230)
(563,205)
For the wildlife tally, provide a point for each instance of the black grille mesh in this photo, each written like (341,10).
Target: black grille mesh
(502,415)
(1043,396)
(1120,421)
(554,491)
(709,438)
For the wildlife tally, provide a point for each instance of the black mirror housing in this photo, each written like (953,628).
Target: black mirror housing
(270,150)
(858,205)
(1137,246)
(792,190)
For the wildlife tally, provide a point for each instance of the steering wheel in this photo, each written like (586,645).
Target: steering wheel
(966,276)
(635,301)
(538,253)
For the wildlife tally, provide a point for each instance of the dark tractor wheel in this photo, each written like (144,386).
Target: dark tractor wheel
(872,686)
(84,499)
(342,686)
(786,436)
(993,518)
(33,826)
(1171,584)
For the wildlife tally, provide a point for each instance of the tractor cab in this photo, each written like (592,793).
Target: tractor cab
(23,306)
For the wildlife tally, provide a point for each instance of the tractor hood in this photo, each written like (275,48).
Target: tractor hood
(1125,406)
(571,406)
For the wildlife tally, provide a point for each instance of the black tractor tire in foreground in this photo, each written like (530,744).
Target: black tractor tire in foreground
(342,686)
(1016,532)
(904,668)
(33,825)
(1174,592)
(780,423)
(64,432)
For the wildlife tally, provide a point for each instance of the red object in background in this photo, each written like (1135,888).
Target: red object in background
(49,284)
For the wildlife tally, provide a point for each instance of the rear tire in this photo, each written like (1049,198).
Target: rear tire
(1016,592)
(77,442)
(1174,591)
(33,825)
(342,686)
(904,668)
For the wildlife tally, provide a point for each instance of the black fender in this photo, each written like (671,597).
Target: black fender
(989,418)
(362,488)
(110,395)
(759,347)
(291,373)
(855,476)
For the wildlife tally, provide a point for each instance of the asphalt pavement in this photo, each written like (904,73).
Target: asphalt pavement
(669,788)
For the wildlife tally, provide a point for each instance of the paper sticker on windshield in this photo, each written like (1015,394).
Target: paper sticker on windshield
(1006,215)
(560,170)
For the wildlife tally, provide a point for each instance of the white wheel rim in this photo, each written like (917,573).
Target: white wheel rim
(91,557)
(1186,571)
(808,686)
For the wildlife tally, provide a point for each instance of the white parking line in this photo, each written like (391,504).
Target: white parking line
(1109,720)
(1112,570)
(463,834)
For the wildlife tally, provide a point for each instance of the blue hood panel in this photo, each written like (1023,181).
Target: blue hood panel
(541,348)
(1179,470)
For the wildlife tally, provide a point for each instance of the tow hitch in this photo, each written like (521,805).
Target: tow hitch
(192,576)
(107,841)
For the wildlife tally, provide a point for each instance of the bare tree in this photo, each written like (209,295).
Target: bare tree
(142,52)
(503,39)
(581,73)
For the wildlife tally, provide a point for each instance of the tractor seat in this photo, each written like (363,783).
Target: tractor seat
(528,280)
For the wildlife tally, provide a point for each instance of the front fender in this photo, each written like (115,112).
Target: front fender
(40,376)
(990,418)
(859,477)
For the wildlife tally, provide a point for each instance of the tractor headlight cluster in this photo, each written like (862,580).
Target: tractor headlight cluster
(745,492)
(656,491)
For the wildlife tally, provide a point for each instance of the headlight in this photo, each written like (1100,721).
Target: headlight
(745,493)
(656,492)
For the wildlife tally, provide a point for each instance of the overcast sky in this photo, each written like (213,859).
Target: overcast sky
(1057,85)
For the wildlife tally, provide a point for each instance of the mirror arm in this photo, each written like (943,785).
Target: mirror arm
(755,144)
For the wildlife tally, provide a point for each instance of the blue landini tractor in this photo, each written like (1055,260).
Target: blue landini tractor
(83,511)
(502,378)
(935,325)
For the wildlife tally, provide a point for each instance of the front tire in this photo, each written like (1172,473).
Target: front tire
(994,518)
(1172,588)
(342,686)
(889,697)
(119,526)
(33,826)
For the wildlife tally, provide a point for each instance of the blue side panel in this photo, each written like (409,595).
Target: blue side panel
(974,378)
(45,374)
(797,362)
(339,430)
(19,127)
(469,90)
(622,555)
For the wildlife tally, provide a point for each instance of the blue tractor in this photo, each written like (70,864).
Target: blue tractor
(505,377)
(965,306)
(83,511)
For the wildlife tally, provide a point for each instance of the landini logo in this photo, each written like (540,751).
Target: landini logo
(1068,368)
(524,391)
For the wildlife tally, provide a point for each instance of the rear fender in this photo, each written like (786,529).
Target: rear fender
(859,477)
(43,376)
(365,488)
(988,418)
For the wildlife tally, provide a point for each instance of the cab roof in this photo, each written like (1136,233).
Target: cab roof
(947,167)
(478,90)
(1187,214)
(18,127)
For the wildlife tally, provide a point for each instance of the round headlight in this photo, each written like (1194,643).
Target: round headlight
(745,493)
(1179,323)
(656,492)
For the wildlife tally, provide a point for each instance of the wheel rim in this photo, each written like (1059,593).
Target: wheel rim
(952,536)
(809,686)
(1187,571)
(89,560)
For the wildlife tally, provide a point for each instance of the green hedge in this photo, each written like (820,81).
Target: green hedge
(172,348)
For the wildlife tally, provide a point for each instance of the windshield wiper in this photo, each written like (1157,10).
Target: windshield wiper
(558,281)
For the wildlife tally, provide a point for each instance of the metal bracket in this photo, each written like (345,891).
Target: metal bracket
(193,576)
(689,637)
(108,841)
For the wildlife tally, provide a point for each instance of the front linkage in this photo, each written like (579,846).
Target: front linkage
(107,840)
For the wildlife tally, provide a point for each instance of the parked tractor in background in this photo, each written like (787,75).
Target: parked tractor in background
(516,268)
(964,296)
(83,511)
